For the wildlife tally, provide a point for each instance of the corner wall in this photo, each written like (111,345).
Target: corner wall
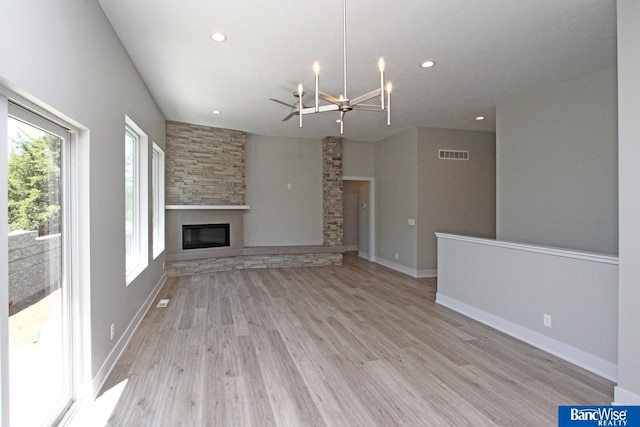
(628,390)
(397,201)
(454,196)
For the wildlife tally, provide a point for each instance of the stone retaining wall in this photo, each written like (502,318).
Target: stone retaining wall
(34,266)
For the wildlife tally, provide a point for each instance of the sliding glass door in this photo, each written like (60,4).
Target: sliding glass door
(38,257)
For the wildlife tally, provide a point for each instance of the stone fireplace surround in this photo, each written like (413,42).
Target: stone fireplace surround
(205,180)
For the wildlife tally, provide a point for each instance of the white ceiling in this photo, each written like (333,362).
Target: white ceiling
(486,52)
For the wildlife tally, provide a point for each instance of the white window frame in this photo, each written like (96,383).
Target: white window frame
(77,265)
(157,189)
(140,241)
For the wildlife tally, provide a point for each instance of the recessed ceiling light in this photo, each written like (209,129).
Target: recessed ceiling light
(479,118)
(218,37)
(216,112)
(428,64)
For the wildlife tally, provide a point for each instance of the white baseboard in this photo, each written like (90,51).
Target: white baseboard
(111,360)
(427,273)
(351,248)
(406,270)
(364,255)
(397,267)
(625,398)
(573,355)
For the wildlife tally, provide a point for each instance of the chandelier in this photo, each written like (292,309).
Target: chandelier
(342,103)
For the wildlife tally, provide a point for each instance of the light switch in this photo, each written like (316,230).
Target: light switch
(289,186)
(412,221)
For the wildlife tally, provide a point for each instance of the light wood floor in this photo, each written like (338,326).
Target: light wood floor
(356,345)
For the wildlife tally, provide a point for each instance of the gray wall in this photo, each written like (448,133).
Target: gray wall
(396,198)
(440,195)
(454,196)
(280,216)
(628,390)
(76,65)
(556,175)
(357,158)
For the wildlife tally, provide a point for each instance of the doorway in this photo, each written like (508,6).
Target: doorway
(359,216)
(39,298)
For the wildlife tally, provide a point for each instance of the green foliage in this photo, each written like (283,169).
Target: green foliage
(34,184)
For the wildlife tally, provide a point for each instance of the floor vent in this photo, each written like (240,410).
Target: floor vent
(453,155)
(163,303)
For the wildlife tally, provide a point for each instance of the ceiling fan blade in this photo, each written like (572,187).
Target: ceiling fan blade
(295,113)
(366,97)
(328,97)
(281,102)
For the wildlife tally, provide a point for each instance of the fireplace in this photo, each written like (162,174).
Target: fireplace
(198,236)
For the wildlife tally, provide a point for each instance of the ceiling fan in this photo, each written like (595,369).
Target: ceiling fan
(342,103)
(294,107)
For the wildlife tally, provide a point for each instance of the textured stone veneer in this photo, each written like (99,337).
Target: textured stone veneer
(204,165)
(209,265)
(332,191)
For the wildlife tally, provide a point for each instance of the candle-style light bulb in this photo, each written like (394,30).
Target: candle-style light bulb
(300,93)
(381,65)
(316,71)
(388,89)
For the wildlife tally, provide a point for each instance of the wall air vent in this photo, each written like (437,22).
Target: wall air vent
(453,155)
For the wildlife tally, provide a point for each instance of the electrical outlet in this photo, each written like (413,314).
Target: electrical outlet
(113,330)
(396,255)
(546,320)
(411,221)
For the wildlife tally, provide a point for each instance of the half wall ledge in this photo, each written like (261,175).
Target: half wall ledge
(518,288)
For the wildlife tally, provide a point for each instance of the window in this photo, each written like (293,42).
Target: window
(157,188)
(136,200)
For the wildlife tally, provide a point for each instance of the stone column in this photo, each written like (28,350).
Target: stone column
(332,191)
